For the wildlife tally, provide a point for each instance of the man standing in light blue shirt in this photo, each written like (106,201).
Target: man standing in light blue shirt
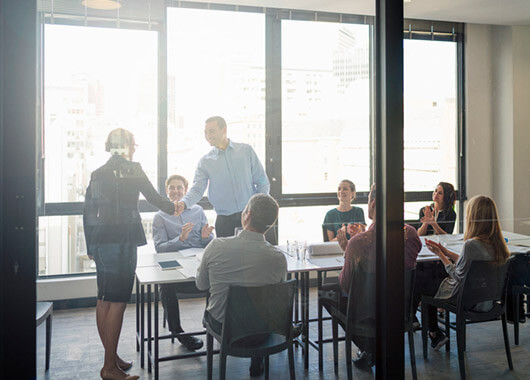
(174,233)
(232,172)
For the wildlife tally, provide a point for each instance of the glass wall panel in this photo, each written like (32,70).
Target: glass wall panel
(96,80)
(216,66)
(325,106)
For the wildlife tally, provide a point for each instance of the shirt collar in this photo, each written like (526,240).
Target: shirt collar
(251,235)
(230,146)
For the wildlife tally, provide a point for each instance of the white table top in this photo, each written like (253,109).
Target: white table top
(148,272)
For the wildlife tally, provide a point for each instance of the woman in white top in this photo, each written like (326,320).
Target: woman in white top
(483,241)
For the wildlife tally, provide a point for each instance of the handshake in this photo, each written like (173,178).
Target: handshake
(179,207)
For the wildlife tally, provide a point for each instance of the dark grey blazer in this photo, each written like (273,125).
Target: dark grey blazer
(111,204)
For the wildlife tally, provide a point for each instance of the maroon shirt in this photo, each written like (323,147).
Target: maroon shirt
(361,251)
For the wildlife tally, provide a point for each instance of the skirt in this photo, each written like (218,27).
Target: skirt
(115,270)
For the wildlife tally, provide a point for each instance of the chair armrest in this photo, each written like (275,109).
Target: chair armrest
(436,302)
(296,330)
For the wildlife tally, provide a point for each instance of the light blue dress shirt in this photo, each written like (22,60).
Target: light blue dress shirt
(232,177)
(167,229)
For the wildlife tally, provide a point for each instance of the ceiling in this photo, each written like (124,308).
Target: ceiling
(496,12)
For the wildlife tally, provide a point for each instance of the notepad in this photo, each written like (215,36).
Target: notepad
(170,264)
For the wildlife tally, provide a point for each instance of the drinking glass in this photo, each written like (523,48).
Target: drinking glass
(301,250)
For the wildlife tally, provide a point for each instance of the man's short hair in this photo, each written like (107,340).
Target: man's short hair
(263,212)
(177,177)
(373,192)
(221,123)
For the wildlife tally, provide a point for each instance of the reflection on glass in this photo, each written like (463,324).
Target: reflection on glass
(305,223)
(62,248)
(96,80)
(216,66)
(412,213)
(430,114)
(325,106)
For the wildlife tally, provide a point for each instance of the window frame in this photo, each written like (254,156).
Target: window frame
(413,29)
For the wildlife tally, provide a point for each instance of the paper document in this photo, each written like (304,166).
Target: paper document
(191,252)
(189,268)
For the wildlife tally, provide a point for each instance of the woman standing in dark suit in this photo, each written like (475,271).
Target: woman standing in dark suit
(113,231)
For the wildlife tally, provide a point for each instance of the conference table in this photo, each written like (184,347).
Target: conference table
(149,276)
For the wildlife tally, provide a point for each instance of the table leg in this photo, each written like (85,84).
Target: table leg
(305,316)
(296,298)
(149,328)
(155,321)
(320,337)
(142,326)
(137,316)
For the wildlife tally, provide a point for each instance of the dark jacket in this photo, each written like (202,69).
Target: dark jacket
(111,204)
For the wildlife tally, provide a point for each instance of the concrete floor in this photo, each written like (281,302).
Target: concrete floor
(77,352)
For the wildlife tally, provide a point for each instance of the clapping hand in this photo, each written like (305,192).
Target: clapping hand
(206,231)
(186,229)
(179,207)
(428,216)
(435,248)
(341,238)
(355,228)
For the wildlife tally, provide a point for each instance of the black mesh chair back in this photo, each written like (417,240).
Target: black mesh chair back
(410,275)
(485,281)
(325,234)
(409,286)
(252,311)
(361,303)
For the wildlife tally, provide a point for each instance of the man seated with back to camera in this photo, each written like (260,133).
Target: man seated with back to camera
(245,260)
(175,233)
(360,256)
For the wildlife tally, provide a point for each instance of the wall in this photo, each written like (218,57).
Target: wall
(498,119)
(502,111)
(521,122)
(478,89)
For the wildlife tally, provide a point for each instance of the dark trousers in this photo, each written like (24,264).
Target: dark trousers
(332,296)
(170,302)
(226,224)
(429,276)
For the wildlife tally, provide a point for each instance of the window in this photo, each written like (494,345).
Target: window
(95,80)
(430,114)
(216,66)
(325,106)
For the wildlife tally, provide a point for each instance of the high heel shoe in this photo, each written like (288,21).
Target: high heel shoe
(124,366)
(107,375)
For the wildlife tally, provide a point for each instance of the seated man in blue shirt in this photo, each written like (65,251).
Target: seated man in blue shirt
(175,233)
